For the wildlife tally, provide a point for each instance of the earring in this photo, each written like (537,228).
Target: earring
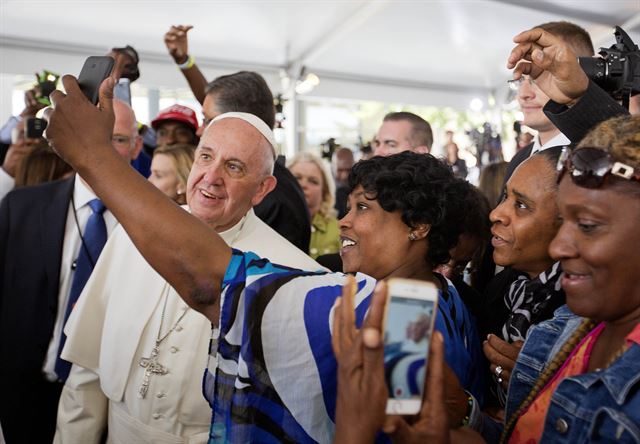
(412,236)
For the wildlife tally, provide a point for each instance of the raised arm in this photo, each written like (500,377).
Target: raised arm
(577,104)
(177,44)
(551,63)
(185,251)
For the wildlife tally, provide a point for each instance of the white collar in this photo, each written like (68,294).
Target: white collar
(557,140)
(82,194)
(231,235)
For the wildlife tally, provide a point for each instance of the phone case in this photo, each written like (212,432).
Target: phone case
(94,71)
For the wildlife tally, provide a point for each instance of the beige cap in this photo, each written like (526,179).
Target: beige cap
(254,121)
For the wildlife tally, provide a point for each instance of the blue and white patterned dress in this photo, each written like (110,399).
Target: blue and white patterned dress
(272,373)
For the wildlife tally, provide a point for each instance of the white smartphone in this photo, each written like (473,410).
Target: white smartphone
(408,326)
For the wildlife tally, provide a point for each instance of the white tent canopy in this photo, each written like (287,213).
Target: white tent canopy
(433,52)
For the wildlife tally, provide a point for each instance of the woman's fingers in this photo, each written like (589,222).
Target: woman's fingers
(375,316)
(348,309)
(435,373)
(336,337)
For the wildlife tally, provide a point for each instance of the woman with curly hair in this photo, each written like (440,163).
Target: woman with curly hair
(319,191)
(405,213)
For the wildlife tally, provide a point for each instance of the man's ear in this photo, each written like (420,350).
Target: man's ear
(266,186)
(421,231)
(135,151)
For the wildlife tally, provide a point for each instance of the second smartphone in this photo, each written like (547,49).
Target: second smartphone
(409,321)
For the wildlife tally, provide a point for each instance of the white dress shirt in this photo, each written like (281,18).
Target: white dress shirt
(558,140)
(6,183)
(82,194)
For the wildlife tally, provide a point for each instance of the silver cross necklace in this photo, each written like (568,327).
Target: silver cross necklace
(151,365)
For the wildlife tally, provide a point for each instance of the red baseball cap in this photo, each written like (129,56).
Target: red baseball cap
(178,113)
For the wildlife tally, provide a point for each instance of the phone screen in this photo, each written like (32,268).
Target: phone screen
(408,330)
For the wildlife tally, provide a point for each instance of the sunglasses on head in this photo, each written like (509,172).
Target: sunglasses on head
(589,167)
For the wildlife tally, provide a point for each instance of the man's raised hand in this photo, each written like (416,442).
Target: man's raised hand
(177,43)
(551,63)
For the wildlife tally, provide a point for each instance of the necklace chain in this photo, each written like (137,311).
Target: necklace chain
(621,351)
(164,309)
(150,364)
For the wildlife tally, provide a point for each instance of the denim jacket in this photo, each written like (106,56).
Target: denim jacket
(597,407)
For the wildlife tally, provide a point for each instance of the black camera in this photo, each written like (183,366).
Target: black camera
(618,70)
(328,148)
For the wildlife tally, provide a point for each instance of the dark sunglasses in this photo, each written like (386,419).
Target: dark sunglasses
(588,167)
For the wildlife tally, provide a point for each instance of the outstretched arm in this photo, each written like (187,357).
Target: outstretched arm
(185,251)
(177,44)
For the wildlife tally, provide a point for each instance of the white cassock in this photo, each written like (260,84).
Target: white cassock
(116,323)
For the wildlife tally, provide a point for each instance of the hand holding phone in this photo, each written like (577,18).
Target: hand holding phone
(93,73)
(77,129)
(409,323)
(362,392)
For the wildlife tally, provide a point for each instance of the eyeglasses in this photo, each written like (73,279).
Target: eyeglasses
(588,167)
(516,84)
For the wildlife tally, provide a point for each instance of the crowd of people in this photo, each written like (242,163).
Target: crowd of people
(183,283)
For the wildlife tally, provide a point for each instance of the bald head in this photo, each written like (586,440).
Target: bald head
(341,163)
(125,139)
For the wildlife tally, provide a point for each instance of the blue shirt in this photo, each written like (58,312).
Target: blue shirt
(272,373)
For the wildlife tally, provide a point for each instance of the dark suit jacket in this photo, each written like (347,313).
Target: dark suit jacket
(285,209)
(32,224)
(595,106)
(516,160)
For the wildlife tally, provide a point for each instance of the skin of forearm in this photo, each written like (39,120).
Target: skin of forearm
(184,250)
(197,82)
